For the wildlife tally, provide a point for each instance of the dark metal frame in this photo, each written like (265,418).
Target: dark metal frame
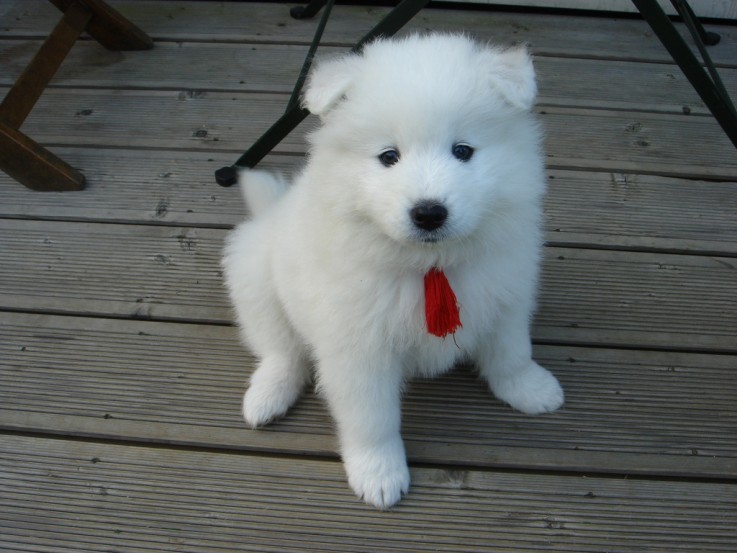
(295,114)
(707,82)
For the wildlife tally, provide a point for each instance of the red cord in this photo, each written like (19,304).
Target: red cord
(441,306)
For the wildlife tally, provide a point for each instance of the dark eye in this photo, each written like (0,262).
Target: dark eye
(463,152)
(389,157)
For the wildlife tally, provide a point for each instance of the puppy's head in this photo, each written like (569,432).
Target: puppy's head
(427,137)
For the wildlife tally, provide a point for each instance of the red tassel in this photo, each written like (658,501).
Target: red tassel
(441,307)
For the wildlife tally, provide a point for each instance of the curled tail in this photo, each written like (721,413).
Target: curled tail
(261,189)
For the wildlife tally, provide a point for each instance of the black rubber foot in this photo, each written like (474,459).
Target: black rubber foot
(712,38)
(226,176)
(298,12)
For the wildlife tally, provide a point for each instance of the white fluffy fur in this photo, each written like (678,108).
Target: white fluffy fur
(332,271)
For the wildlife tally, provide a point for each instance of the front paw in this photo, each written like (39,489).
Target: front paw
(378,475)
(532,390)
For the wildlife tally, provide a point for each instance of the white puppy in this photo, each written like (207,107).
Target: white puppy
(427,164)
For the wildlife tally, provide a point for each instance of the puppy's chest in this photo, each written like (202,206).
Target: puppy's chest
(405,314)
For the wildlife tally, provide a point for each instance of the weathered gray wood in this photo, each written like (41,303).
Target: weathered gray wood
(633,412)
(142,186)
(115,275)
(232,21)
(669,145)
(587,296)
(623,298)
(71,496)
(582,208)
(684,146)
(640,211)
(274,68)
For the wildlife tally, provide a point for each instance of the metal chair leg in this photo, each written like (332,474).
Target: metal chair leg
(305,12)
(689,17)
(294,115)
(708,85)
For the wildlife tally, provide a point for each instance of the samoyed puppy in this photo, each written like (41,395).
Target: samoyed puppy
(410,242)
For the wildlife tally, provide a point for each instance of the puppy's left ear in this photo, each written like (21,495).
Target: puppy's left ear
(512,75)
(328,83)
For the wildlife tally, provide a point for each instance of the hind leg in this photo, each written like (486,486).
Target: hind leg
(283,370)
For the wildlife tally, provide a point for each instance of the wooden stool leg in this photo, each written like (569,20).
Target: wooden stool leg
(22,158)
(34,166)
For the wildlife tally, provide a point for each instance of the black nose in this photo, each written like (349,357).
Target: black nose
(428,215)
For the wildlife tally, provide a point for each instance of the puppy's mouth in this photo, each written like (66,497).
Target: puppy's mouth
(429,237)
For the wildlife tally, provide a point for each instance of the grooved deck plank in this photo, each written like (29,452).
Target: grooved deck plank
(197,67)
(76,496)
(675,145)
(637,412)
(587,296)
(564,35)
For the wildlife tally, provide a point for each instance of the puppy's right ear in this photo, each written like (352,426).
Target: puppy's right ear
(511,73)
(328,83)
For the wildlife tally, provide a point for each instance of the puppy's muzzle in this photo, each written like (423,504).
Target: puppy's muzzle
(428,215)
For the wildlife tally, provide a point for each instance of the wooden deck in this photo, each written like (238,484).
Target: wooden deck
(121,374)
